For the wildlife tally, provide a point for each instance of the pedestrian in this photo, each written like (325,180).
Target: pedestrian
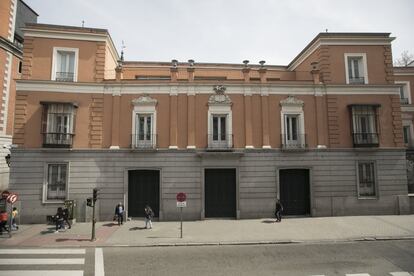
(279,210)
(119,213)
(14,215)
(149,214)
(59,219)
(4,217)
(66,217)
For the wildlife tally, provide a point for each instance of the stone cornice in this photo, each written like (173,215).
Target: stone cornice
(194,89)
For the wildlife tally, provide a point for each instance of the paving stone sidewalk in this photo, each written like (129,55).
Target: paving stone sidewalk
(206,232)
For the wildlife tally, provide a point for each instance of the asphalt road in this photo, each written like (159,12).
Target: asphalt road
(394,258)
(373,258)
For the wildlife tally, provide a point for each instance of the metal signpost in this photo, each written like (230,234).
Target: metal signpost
(94,199)
(181,203)
(11,198)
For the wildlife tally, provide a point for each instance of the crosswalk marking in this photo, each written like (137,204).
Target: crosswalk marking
(40,261)
(400,273)
(42,251)
(41,273)
(99,262)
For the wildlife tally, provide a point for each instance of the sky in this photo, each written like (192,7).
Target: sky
(229,31)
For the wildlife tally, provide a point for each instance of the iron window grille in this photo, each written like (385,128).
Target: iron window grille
(58,124)
(365,125)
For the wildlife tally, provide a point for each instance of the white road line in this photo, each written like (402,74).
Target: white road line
(358,274)
(99,262)
(41,273)
(401,274)
(40,261)
(42,251)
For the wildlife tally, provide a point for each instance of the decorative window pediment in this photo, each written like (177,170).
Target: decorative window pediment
(144,100)
(220,98)
(291,101)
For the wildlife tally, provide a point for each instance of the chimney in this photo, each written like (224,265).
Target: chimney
(190,70)
(262,71)
(246,71)
(174,70)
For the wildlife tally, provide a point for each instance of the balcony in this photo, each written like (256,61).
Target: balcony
(404,101)
(299,143)
(356,80)
(220,142)
(57,140)
(65,76)
(365,139)
(144,142)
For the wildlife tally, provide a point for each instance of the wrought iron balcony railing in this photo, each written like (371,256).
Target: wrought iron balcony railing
(57,140)
(220,142)
(144,141)
(364,139)
(65,76)
(356,80)
(404,101)
(294,142)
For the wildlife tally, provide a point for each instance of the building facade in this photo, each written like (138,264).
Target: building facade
(13,15)
(404,76)
(324,133)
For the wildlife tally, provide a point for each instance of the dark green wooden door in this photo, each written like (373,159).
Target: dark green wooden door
(143,189)
(220,192)
(295,191)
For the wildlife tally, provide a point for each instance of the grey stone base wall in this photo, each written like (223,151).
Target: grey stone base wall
(333,183)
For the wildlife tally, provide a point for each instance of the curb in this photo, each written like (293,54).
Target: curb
(234,243)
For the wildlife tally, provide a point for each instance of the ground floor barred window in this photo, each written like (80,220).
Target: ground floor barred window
(366,179)
(56,185)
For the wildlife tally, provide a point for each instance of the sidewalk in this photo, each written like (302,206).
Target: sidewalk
(210,232)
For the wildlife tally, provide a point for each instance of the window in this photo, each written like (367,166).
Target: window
(405,97)
(356,69)
(143,131)
(219,136)
(406,132)
(293,124)
(65,64)
(58,124)
(56,183)
(366,179)
(144,118)
(364,124)
(20,67)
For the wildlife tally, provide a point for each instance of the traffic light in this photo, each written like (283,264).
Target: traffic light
(89,202)
(95,194)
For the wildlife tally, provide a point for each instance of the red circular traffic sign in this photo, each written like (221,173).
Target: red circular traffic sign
(12,198)
(181,197)
(5,194)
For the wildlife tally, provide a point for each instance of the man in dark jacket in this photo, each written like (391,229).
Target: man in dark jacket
(119,213)
(66,217)
(59,219)
(279,210)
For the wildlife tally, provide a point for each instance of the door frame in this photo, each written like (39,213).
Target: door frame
(310,169)
(203,185)
(126,183)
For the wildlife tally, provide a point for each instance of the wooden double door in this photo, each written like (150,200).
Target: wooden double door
(295,191)
(220,193)
(143,189)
